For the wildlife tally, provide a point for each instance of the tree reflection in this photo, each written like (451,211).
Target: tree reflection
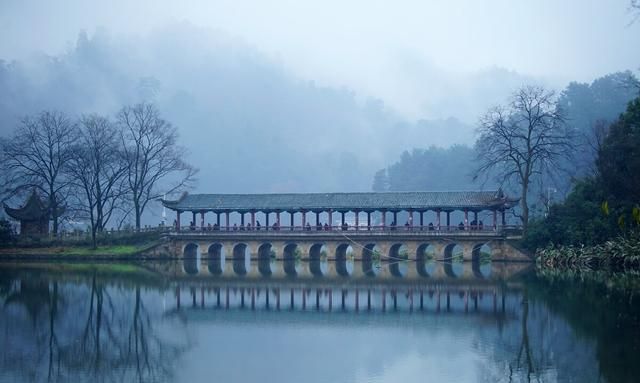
(116,340)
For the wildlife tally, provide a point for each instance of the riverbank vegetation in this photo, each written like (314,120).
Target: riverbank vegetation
(107,244)
(599,223)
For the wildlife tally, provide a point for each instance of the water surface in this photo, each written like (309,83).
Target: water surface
(154,322)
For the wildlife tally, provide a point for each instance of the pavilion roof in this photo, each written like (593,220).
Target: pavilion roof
(363,201)
(33,209)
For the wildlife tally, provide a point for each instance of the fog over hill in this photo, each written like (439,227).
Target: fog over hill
(246,121)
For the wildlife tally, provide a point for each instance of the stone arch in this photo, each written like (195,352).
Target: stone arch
(398,256)
(240,258)
(317,265)
(191,258)
(216,258)
(265,252)
(426,259)
(371,258)
(344,267)
(289,259)
(481,257)
(453,260)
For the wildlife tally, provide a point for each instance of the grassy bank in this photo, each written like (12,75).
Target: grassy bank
(115,245)
(78,251)
(622,253)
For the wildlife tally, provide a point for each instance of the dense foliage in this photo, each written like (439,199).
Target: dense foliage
(428,169)
(604,206)
(7,236)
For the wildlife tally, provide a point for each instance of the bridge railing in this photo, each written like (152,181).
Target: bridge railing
(469,230)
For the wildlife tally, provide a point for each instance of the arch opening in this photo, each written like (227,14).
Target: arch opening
(481,260)
(266,257)
(241,259)
(190,258)
(426,260)
(453,260)
(291,259)
(318,264)
(398,260)
(371,259)
(216,259)
(344,260)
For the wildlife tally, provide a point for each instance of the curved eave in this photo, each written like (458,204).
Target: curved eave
(21,215)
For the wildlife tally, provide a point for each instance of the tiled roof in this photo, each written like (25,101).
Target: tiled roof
(341,201)
(33,210)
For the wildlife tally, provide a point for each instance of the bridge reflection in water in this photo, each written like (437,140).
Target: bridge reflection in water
(448,288)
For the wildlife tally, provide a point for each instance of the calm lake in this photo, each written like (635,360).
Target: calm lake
(152,322)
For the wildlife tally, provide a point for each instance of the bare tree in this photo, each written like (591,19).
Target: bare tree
(36,157)
(523,139)
(155,164)
(97,170)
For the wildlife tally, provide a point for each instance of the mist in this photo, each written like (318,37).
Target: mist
(266,103)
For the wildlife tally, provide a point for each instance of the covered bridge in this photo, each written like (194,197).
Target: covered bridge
(415,204)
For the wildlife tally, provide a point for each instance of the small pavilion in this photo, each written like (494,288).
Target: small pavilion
(33,216)
(415,204)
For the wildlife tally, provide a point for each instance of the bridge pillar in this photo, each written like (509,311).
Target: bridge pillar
(412,249)
(467,250)
(203,247)
(438,249)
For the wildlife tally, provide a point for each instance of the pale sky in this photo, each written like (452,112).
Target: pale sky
(386,49)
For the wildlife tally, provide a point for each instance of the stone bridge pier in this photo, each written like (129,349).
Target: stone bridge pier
(309,257)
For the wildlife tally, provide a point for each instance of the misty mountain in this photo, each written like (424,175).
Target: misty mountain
(245,121)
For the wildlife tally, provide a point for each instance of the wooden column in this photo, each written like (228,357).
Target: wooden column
(410,218)
(292,217)
(317,218)
(266,219)
(466,219)
(242,219)
(495,219)
(357,219)
(226,213)
(438,219)
(178,212)
(304,219)
(218,219)
(253,220)
(368,220)
(448,220)
(384,218)
(278,219)
(421,219)
(330,219)
(194,218)
(201,220)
